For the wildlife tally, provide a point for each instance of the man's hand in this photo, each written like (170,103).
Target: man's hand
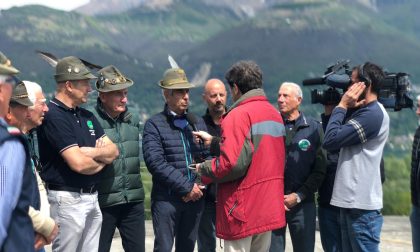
(196,167)
(204,136)
(40,241)
(53,234)
(290,200)
(350,98)
(194,195)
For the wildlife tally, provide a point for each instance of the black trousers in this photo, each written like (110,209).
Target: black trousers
(129,219)
(176,221)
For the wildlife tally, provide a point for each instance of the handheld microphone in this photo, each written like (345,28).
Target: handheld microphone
(193,121)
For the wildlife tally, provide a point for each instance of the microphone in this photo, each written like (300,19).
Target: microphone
(313,81)
(193,121)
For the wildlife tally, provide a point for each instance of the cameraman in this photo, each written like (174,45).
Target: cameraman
(357,186)
(329,215)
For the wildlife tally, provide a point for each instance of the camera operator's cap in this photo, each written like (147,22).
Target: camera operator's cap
(71,68)
(6,67)
(175,78)
(111,79)
(20,95)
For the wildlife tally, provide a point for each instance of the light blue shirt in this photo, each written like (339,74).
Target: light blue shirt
(12,165)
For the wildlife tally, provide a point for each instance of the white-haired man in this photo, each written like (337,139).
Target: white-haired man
(304,171)
(36,114)
(38,110)
(18,116)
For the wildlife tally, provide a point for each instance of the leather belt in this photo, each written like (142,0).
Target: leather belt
(89,189)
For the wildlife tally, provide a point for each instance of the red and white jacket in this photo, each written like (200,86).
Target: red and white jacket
(249,170)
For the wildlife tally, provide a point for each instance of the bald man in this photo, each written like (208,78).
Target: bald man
(215,97)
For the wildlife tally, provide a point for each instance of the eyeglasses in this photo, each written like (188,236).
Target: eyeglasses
(9,79)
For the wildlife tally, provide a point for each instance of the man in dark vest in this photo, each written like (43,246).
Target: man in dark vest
(120,190)
(16,179)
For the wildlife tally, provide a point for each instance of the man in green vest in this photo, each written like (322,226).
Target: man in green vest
(121,193)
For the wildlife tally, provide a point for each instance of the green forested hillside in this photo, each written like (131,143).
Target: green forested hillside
(292,40)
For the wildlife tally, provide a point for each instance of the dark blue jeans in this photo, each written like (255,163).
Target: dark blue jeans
(415,228)
(360,229)
(301,222)
(329,227)
(176,219)
(207,230)
(129,219)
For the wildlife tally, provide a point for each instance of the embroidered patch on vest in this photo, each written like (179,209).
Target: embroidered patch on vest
(304,144)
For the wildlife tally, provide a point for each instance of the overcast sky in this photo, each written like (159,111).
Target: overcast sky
(56,4)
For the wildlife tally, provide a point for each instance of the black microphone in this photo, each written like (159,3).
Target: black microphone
(193,121)
(313,81)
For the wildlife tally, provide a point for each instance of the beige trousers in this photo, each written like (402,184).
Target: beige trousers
(256,243)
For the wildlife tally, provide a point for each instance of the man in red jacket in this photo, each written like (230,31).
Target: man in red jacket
(250,166)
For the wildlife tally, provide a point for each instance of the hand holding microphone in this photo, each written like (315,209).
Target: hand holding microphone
(202,137)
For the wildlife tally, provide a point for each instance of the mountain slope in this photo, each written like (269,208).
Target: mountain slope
(291,40)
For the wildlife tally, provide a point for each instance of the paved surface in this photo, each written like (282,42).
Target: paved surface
(395,237)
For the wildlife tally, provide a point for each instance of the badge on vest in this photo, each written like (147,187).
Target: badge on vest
(304,144)
(90,126)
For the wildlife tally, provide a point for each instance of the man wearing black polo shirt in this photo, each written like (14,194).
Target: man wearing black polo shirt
(73,148)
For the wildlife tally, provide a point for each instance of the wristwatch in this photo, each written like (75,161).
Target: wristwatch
(298,198)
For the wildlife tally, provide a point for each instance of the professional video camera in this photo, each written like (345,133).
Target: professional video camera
(395,91)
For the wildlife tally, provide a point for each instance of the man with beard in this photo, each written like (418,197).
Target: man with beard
(215,96)
(357,186)
(73,149)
